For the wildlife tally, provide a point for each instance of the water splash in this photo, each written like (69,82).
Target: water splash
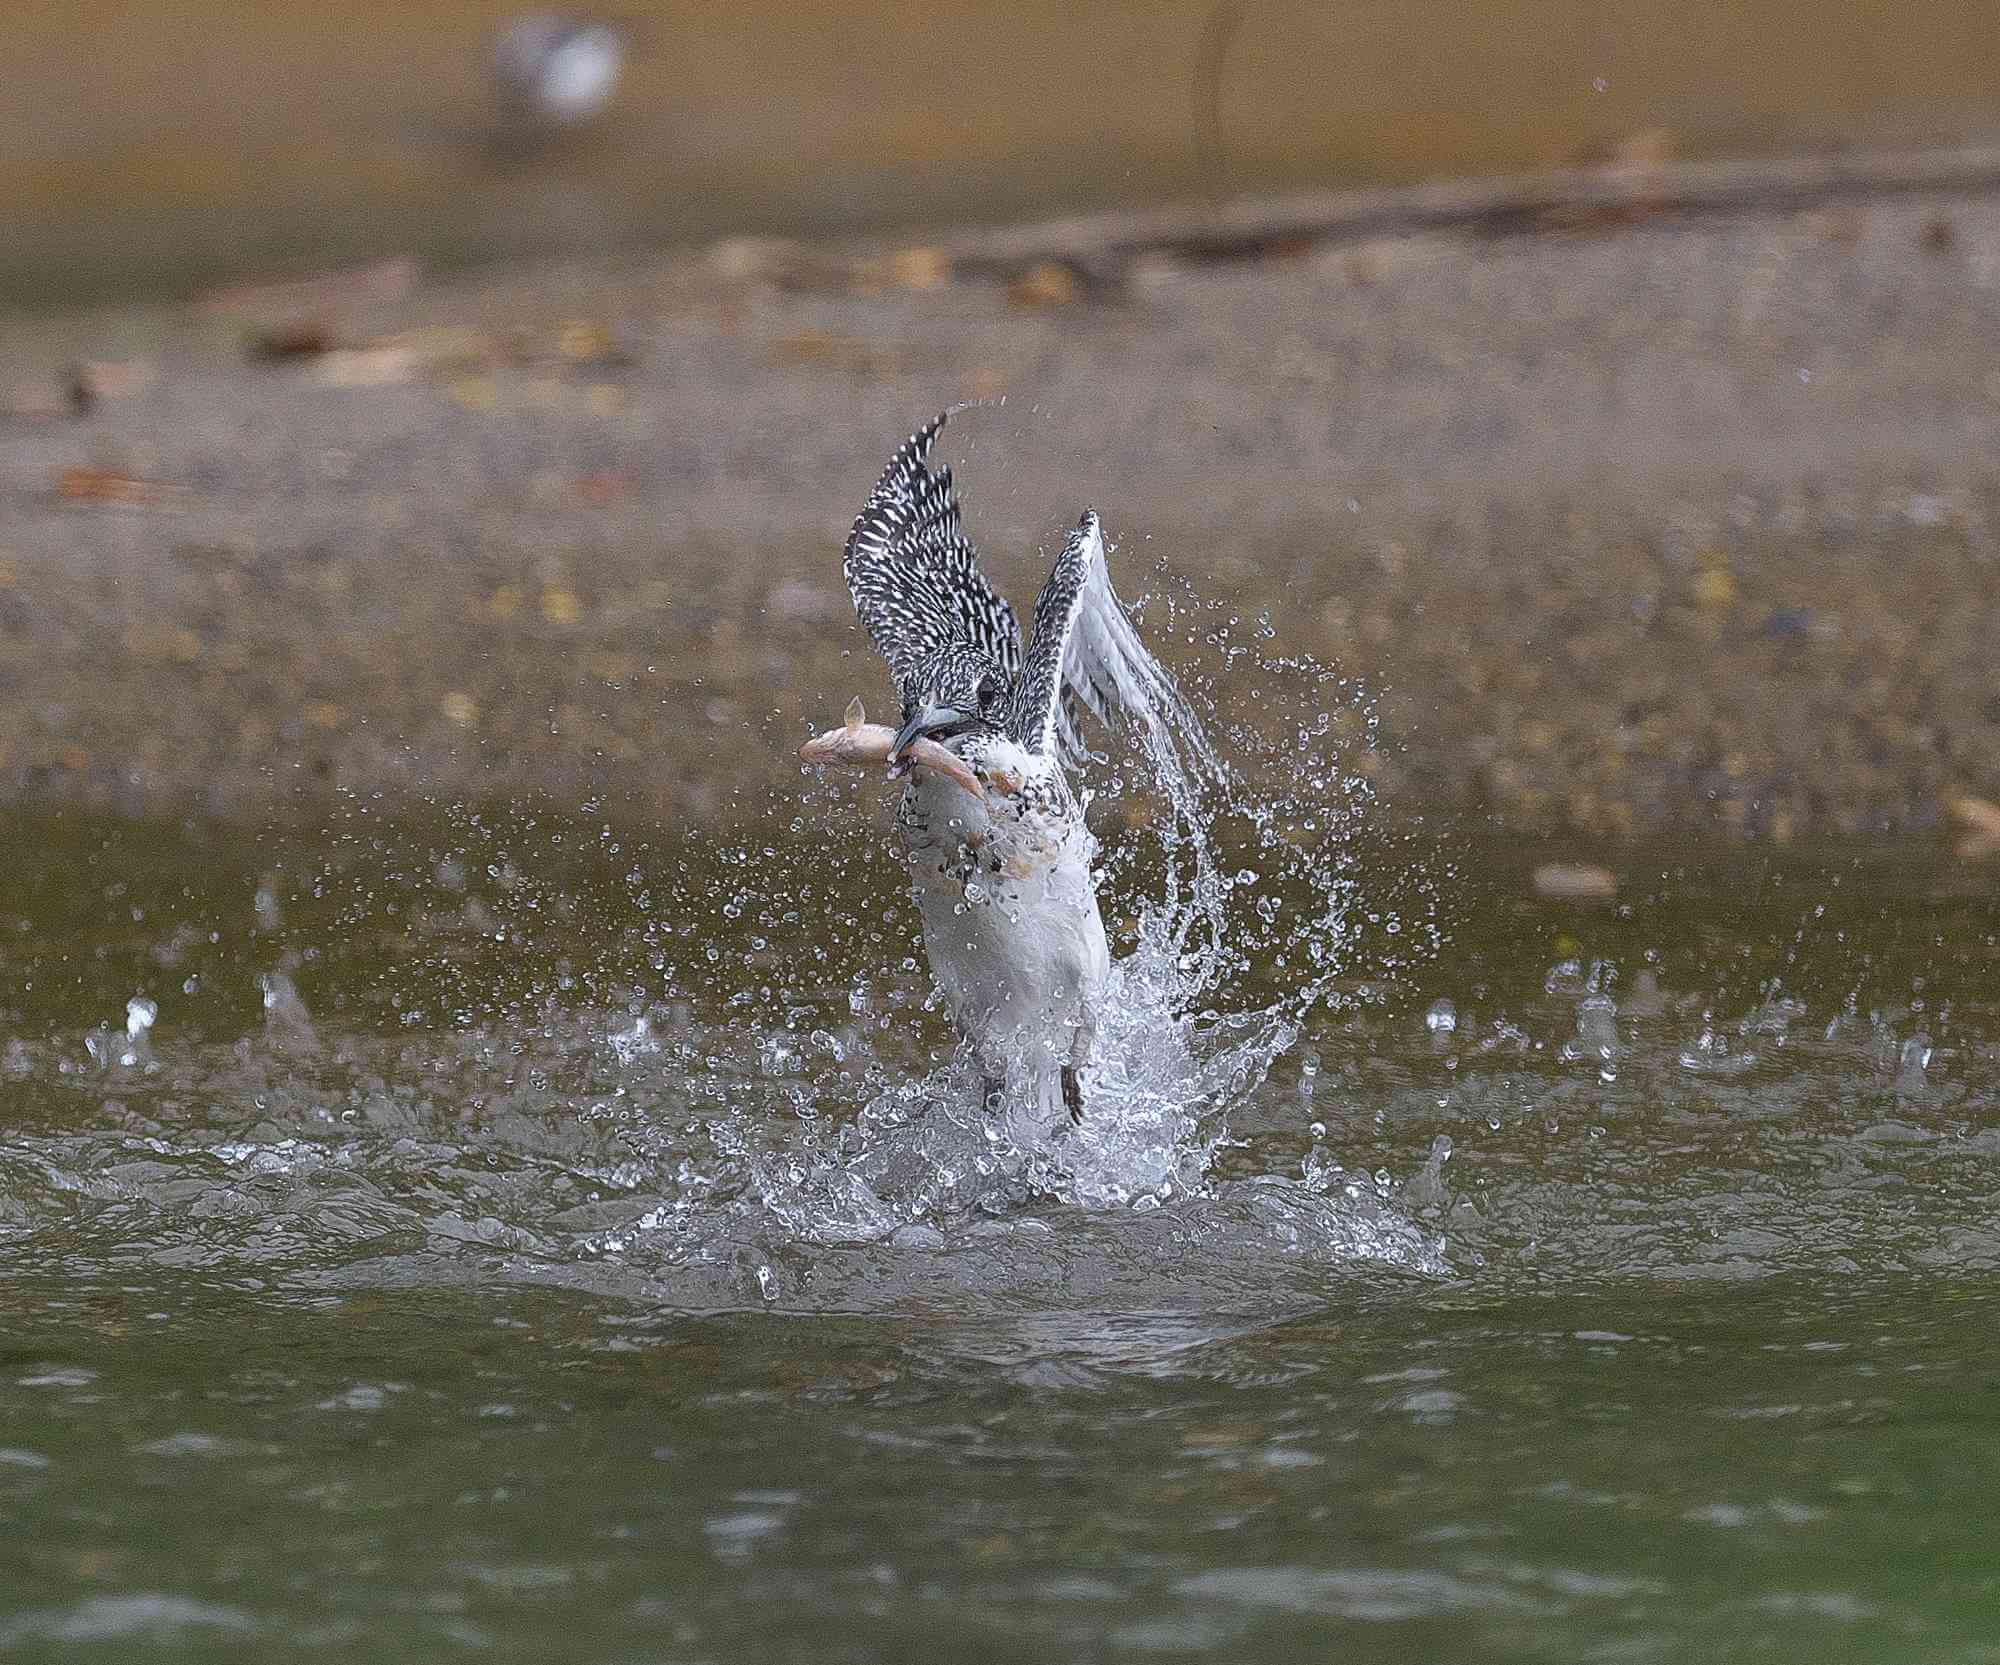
(625,1114)
(1235,898)
(132,1049)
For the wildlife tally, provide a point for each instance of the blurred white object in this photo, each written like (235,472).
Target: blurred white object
(552,70)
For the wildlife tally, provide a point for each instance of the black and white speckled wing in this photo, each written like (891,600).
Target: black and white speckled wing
(1083,651)
(915,576)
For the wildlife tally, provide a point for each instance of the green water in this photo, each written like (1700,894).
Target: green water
(396,1293)
(1607,1471)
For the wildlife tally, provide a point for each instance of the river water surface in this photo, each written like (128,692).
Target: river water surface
(519,1236)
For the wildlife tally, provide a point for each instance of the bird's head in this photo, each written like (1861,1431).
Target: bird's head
(957,691)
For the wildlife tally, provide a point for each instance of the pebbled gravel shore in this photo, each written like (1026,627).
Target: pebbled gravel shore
(1643,523)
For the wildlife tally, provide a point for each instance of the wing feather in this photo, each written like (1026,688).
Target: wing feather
(1083,651)
(914,575)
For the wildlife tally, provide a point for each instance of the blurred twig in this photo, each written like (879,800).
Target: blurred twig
(1218,29)
(1562,200)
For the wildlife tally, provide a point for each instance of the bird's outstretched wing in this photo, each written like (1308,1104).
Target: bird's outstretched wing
(915,576)
(1083,650)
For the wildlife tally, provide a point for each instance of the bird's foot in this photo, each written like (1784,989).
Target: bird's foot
(1072,1091)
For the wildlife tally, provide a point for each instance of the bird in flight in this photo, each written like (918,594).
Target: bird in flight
(999,857)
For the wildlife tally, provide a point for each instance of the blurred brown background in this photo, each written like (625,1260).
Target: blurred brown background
(1609,390)
(151,146)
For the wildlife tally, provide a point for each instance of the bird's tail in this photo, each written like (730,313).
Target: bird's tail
(1035,1109)
(1038,1098)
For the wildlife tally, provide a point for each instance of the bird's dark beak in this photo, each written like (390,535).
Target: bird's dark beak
(933,719)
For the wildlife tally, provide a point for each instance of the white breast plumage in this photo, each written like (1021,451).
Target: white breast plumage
(1004,887)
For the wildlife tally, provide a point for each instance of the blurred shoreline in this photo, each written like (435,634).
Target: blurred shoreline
(155,150)
(1642,509)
